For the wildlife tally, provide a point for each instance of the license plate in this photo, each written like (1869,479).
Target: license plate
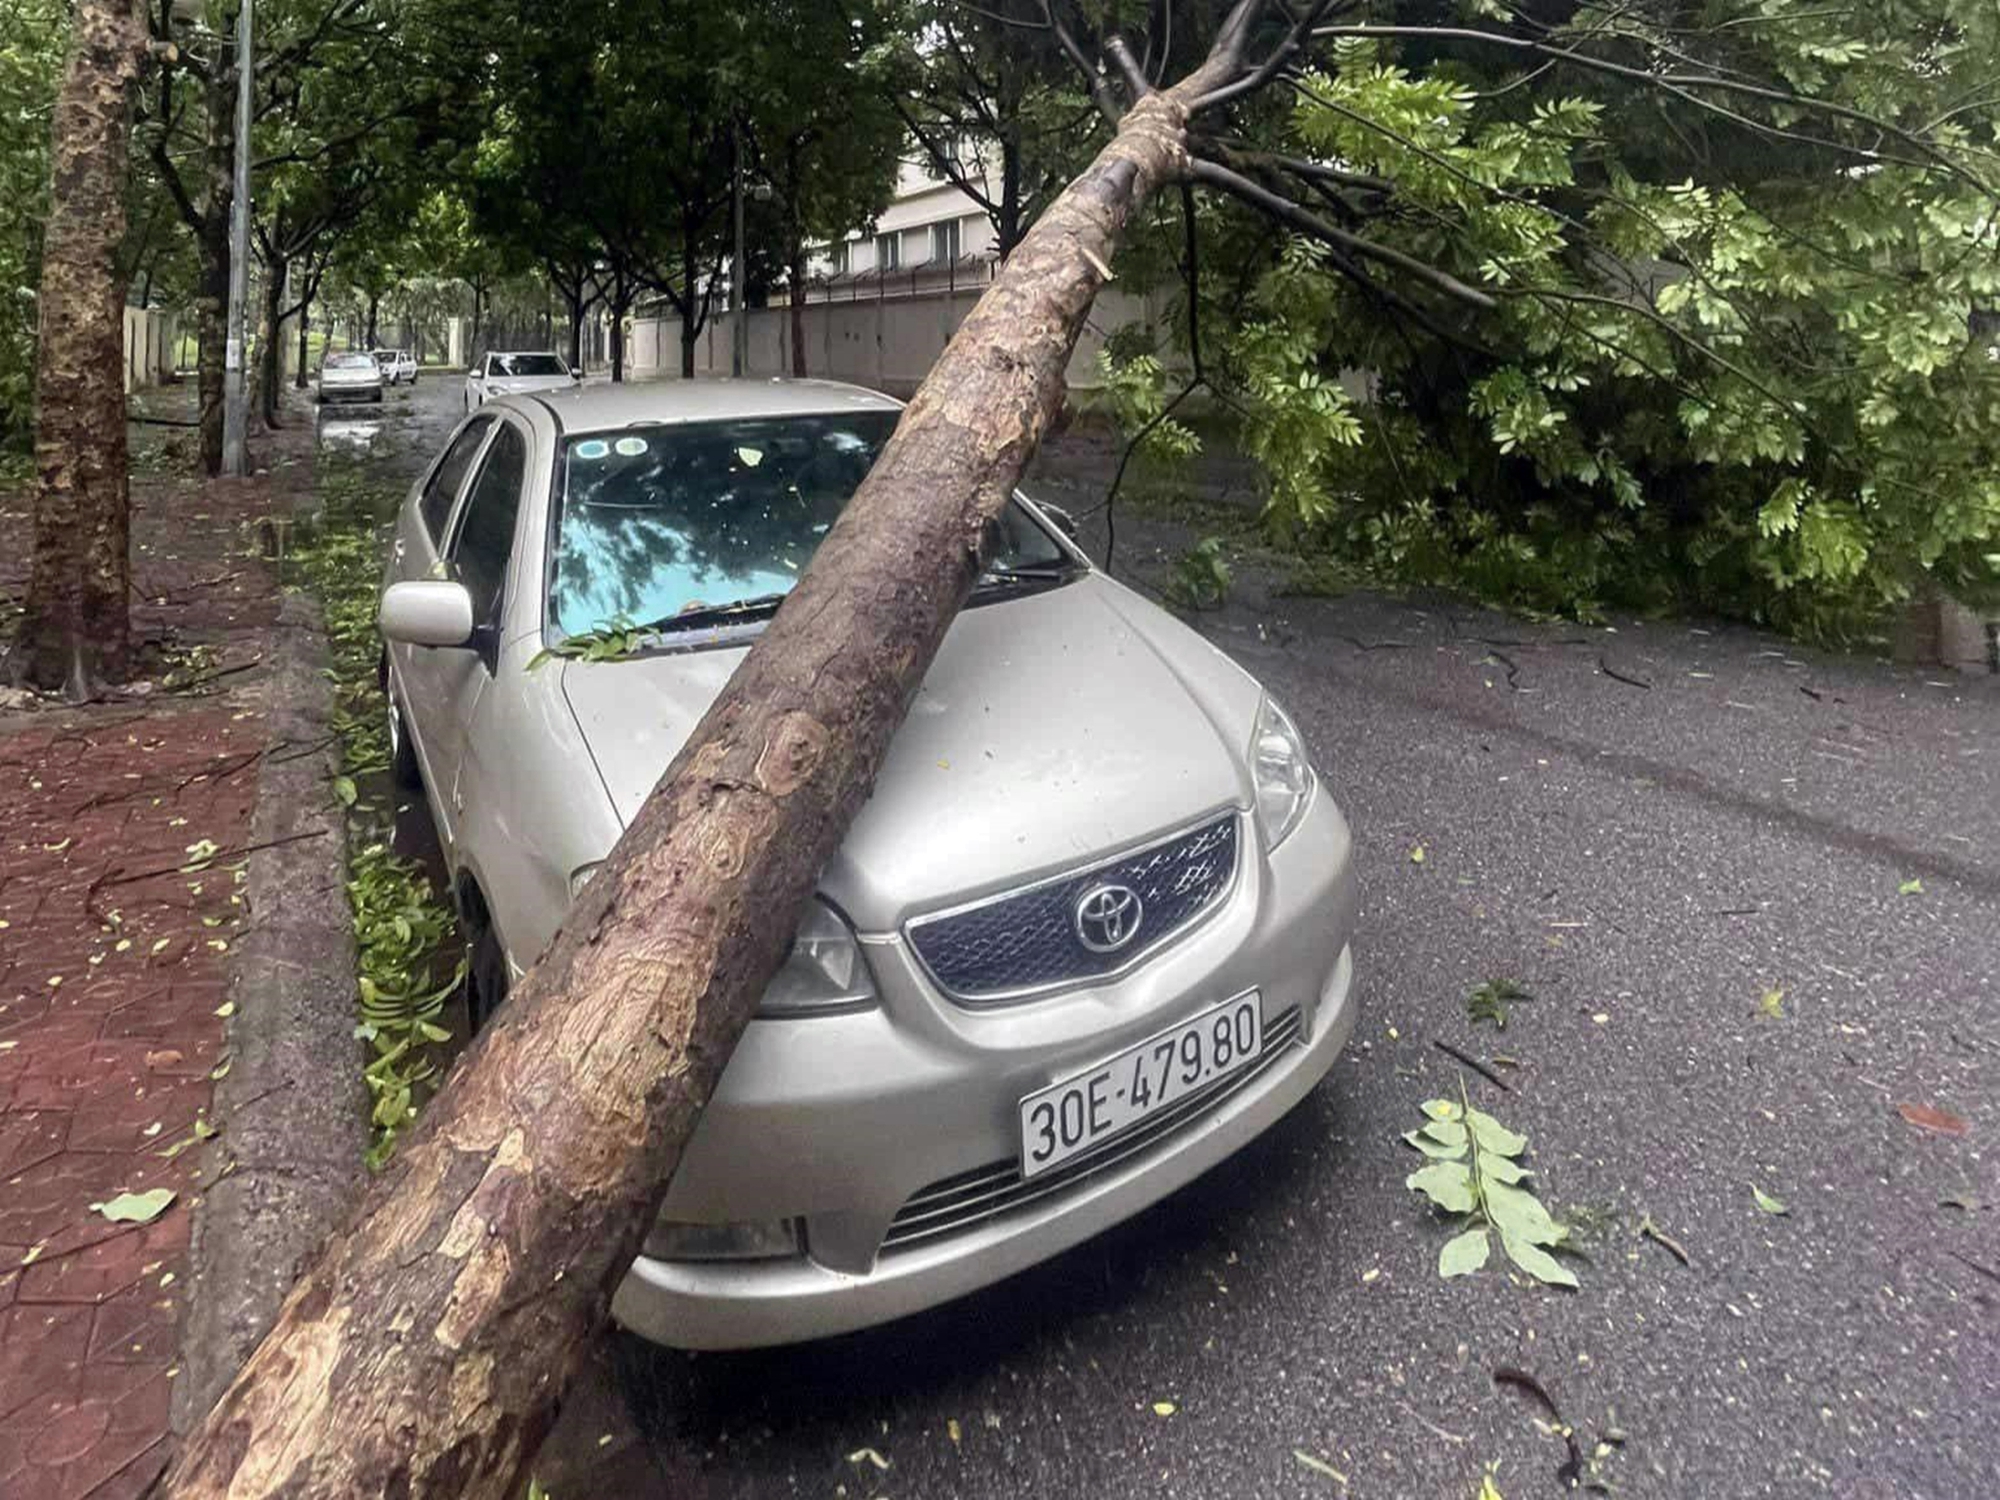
(1068,1118)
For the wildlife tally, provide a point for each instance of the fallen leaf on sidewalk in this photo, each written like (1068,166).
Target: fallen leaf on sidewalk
(1767,1203)
(136,1208)
(1928,1117)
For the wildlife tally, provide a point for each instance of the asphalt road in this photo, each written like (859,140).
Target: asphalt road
(1650,827)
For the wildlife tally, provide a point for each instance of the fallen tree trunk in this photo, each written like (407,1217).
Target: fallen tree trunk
(425,1353)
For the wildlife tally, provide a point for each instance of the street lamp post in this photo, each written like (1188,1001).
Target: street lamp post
(235,405)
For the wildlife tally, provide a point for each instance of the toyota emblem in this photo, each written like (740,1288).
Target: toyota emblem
(1108,917)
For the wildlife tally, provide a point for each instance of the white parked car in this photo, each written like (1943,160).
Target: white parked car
(397,365)
(349,377)
(1086,939)
(516,374)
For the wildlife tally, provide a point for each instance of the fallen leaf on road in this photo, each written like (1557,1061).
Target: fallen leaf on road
(1767,1203)
(1926,1117)
(136,1208)
(868,1456)
(1773,1004)
(1417,855)
(1164,1408)
(1910,888)
(226,1009)
(951,1429)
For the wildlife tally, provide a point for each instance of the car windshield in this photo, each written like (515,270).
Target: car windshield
(685,523)
(385,356)
(349,362)
(525,364)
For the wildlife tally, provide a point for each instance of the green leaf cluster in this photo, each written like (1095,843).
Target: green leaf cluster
(1722,347)
(1473,1172)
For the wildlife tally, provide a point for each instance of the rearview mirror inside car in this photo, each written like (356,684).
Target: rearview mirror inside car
(426,612)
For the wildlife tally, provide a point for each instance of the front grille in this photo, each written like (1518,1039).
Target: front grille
(1027,941)
(971,1198)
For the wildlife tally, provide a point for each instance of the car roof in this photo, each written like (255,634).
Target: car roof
(594,407)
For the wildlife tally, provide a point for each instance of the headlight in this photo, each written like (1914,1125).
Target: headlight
(1283,774)
(825,970)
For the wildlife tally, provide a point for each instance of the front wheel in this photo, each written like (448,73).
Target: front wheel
(485,977)
(403,767)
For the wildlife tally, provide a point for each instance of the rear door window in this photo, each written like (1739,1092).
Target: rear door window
(435,504)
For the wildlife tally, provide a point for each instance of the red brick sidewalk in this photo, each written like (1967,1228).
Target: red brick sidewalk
(113,965)
(109,988)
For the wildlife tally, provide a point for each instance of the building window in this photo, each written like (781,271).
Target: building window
(838,255)
(944,242)
(888,252)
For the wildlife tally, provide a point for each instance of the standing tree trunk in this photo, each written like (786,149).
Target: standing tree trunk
(212,308)
(621,299)
(795,273)
(299,377)
(425,1352)
(374,310)
(690,329)
(74,627)
(269,332)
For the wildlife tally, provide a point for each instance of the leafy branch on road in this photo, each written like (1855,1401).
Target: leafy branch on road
(401,923)
(1474,1174)
(1493,1001)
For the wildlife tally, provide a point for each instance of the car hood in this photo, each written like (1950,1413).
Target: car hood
(1051,729)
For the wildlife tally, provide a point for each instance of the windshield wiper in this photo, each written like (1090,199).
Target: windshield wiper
(711,614)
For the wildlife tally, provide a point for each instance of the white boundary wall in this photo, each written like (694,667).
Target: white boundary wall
(885,343)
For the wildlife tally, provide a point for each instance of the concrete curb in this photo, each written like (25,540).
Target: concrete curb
(293,1106)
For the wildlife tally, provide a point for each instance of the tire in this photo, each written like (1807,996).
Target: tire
(403,767)
(485,977)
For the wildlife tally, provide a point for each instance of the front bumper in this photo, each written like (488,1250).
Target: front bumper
(842,1120)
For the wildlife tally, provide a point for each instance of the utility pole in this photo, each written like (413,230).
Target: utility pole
(739,330)
(235,412)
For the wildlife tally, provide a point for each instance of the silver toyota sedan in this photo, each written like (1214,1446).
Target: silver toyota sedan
(1087,938)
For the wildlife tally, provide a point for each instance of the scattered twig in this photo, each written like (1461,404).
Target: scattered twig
(1612,672)
(1522,1381)
(184,867)
(1983,1269)
(1735,911)
(1651,1231)
(1425,1422)
(1475,1064)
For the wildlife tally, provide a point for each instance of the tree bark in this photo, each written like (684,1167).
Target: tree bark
(374,311)
(300,378)
(270,331)
(621,299)
(212,243)
(74,628)
(795,272)
(425,1351)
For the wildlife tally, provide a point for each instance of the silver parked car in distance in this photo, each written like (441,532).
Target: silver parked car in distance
(1087,938)
(516,374)
(349,377)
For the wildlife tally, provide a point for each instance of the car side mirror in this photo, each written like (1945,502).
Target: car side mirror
(426,612)
(475,374)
